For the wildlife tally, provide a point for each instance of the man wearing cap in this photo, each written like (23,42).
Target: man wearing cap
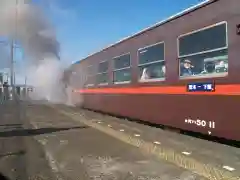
(186,70)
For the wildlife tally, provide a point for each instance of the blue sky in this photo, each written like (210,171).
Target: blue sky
(85,26)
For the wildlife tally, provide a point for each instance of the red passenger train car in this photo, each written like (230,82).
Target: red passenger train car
(145,76)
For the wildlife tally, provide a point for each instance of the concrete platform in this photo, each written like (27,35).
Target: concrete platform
(21,157)
(80,151)
(209,159)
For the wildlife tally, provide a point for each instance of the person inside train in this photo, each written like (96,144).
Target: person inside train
(164,70)
(159,73)
(221,67)
(145,74)
(209,67)
(187,68)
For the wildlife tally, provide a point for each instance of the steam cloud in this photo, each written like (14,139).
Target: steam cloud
(27,24)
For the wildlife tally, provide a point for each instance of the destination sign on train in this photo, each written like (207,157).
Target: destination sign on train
(203,87)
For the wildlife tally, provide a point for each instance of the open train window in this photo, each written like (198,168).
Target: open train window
(151,63)
(122,69)
(204,52)
(102,76)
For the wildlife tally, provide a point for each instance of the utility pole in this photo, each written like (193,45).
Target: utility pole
(12,69)
(25,81)
(12,64)
(12,74)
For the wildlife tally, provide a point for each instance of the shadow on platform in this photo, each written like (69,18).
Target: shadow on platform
(2,177)
(10,125)
(18,153)
(34,132)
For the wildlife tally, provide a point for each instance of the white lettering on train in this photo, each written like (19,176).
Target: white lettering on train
(201,123)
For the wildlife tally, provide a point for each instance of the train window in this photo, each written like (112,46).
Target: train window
(78,78)
(123,75)
(151,62)
(90,81)
(82,78)
(102,76)
(122,70)
(103,67)
(122,61)
(204,52)
(90,76)
(90,70)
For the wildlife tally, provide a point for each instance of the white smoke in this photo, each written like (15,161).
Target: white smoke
(26,24)
(46,78)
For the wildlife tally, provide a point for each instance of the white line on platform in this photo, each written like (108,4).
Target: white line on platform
(109,125)
(99,122)
(121,130)
(186,153)
(53,164)
(34,125)
(156,142)
(229,168)
(137,135)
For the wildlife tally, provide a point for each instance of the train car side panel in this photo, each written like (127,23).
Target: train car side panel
(214,114)
(218,114)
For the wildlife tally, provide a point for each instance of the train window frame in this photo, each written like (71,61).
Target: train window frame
(105,72)
(154,62)
(202,52)
(120,69)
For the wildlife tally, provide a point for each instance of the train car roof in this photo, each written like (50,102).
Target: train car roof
(175,16)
